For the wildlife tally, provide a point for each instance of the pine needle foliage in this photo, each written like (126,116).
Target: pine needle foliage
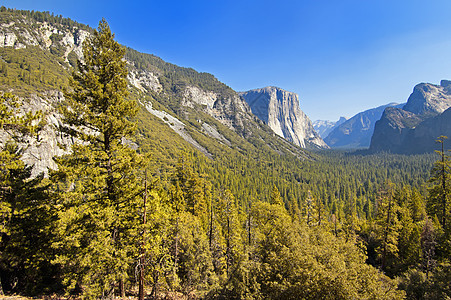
(98,183)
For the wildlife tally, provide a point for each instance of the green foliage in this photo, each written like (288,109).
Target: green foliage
(16,127)
(387,226)
(173,77)
(98,184)
(24,205)
(440,192)
(26,251)
(9,14)
(295,261)
(31,70)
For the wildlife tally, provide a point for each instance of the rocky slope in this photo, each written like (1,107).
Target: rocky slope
(414,128)
(324,127)
(280,110)
(356,132)
(202,111)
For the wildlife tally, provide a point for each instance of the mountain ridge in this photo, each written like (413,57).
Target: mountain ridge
(413,128)
(206,107)
(356,132)
(324,127)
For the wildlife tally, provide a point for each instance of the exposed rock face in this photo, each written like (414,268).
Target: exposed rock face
(421,139)
(356,132)
(229,109)
(39,152)
(414,128)
(178,126)
(174,93)
(194,94)
(392,128)
(19,35)
(279,109)
(429,99)
(144,81)
(324,127)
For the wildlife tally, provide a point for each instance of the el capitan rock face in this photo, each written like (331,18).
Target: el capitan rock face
(280,110)
(414,128)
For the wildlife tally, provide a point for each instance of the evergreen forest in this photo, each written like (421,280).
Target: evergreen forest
(255,219)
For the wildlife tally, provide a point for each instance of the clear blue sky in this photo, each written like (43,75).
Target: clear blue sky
(341,57)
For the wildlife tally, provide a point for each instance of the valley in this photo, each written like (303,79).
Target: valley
(146,179)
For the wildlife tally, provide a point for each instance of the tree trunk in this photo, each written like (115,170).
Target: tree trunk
(142,258)
(121,288)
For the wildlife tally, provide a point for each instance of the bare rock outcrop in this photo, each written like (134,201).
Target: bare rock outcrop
(280,110)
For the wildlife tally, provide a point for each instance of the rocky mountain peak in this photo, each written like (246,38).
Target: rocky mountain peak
(414,128)
(445,83)
(324,127)
(428,98)
(280,110)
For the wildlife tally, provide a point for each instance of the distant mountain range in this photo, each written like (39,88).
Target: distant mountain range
(408,128)
(324,127)
(356,132)
(415,127)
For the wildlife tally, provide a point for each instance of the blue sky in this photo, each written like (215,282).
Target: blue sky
(341,57)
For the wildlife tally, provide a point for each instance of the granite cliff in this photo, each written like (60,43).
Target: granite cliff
(415,127)
(280,110)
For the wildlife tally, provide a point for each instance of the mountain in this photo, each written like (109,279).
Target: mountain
(423,137)
(324,127)
(429,99)
(356,132)
(181,109)
(414,128)
(280,110)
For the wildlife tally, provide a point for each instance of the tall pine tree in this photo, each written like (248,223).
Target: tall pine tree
(98,184)
(440,192)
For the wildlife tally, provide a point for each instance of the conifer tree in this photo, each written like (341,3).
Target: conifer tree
(98,184)
(229,222)
(15,185)
(275,196)
(428,247)
(387,225)
(440,193)
(155,261)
